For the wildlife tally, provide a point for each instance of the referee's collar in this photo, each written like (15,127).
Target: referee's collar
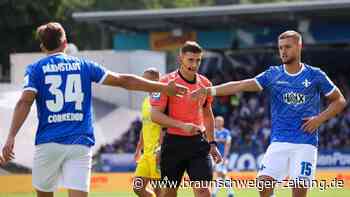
(188,81)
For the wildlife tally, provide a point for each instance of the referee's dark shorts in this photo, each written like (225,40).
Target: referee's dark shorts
(185,153)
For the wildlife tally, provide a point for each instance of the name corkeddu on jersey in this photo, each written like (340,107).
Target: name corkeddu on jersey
(64,104)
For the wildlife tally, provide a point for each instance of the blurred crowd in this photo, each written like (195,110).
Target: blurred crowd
(127,142)
(247,115)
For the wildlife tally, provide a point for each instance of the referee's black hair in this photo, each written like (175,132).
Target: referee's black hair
(191,46)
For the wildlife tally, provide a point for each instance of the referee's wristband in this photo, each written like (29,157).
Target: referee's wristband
(213,142)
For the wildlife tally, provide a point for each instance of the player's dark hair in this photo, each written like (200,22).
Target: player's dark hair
(191,46)
(51,35)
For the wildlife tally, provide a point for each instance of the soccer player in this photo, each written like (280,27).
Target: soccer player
(294,89)
(184,146)
(150,140)
(61,86)
(223,138)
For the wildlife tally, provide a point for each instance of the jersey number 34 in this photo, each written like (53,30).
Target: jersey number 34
(72,93)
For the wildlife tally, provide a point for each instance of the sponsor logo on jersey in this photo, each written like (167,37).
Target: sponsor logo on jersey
(292,98)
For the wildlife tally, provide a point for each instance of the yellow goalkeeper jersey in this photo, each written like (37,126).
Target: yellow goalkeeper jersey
(150,130)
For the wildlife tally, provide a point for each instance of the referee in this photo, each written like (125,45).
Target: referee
(184,146)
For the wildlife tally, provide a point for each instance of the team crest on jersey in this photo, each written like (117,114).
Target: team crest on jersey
(293,98)
(306,83)
(155,95)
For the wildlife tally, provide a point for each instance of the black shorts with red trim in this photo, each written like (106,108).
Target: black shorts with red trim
(185,153)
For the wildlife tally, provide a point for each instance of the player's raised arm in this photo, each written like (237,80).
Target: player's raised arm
(134,82)
(229,88)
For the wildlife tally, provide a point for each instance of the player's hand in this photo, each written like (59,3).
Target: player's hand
(199,93)
(175,89)
(192,128)
(7,151)
(137,155)
(311,123)
(214,152)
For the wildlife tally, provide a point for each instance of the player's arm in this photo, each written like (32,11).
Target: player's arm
(158,150)
(336,105)
(139,147)
(20,114)
(134,82)
(229,88)
(233,87)
(227,148)
(158,116)
(140,142)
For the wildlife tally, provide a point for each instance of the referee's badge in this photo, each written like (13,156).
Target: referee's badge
(155,95)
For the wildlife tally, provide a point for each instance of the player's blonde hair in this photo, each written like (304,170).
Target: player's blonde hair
(291,34)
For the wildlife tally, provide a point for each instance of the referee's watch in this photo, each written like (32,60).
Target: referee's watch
(213,142)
